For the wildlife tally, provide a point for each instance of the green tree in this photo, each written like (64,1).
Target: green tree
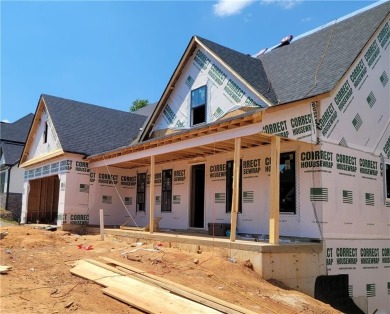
(138,104)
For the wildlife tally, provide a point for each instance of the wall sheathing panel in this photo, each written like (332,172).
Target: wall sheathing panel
(71,201)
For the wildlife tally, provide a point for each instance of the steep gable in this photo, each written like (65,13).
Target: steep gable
(79,128)
(250,69)
(203,74)
(310,66)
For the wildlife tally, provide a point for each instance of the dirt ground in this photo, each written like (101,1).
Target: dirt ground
(40,280)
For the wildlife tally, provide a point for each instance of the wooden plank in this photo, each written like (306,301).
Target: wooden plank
(236,188)
(274,195)
(162,303)
(180,289)
(142,295)
(151,195)
(105,266)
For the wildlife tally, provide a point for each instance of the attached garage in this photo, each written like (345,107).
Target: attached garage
(43,200)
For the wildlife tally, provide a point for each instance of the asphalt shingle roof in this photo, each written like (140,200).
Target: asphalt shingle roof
(330,51)
(11,152)
(16,131)
(325,54)
(89,129)
(147,110)
(250,69)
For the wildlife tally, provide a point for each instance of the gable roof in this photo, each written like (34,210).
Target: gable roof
(89,129)
(16,131)
(314,64)
(250,69)
(11,152)
(309,66)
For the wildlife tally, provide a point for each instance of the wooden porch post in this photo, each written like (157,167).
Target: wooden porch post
(274,189)
(236,188)
(151,195)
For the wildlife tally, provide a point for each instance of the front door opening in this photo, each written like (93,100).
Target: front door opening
(197,196)
(43,198)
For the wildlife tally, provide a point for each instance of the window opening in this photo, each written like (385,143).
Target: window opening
(45,133)
(287,183)
(141,187)
(166,191)
(2,182)
(387,181)
(198,105)
(229,186)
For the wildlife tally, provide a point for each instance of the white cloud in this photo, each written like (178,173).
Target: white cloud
(306,19)
(285,4)
(230,7)
(5,121)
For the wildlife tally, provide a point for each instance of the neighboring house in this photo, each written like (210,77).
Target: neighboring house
(62,134)
(12,139)
(305,128)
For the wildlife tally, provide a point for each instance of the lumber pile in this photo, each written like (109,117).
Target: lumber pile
(149,293)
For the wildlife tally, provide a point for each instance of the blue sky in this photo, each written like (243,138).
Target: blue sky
(110,53)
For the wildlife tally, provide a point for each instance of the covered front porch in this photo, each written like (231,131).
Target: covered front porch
(232,137)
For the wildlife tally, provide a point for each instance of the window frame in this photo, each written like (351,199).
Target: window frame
(3,181)
(196,108)
(45,133)
(166,191)
(141,192)
(282,199)
(386,189)
(229,187)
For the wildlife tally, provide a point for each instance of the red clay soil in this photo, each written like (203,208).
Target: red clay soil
(40,280)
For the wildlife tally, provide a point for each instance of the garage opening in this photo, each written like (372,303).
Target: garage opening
(43,200)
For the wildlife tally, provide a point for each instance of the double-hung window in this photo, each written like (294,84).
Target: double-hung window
(198,105)
(141,189)
(166,191)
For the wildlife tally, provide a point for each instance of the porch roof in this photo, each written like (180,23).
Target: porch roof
(192,145)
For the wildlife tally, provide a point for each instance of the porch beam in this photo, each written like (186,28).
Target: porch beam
(236,188)
(138,152)
(151,195)
(274,188)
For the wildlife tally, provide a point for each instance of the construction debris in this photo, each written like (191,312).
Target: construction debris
(4,269)
(136,288)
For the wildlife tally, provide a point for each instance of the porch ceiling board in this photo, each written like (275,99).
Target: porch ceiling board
(187,145)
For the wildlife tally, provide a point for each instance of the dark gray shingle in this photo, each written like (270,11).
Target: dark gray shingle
(89,129)
(11,152)
(325,54)
(16,131)
(147,110)
(331,50)
(250,69)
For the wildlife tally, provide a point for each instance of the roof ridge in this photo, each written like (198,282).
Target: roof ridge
(324,26)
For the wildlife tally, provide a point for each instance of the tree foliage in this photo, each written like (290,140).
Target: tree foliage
(138,104)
